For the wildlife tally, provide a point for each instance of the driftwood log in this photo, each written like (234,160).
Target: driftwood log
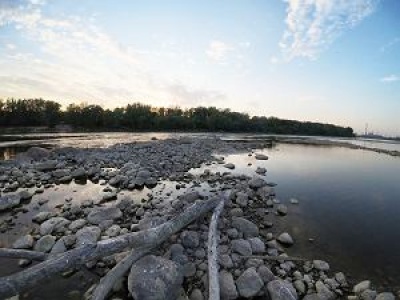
(140,242)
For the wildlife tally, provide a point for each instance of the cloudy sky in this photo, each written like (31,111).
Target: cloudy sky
(332,61)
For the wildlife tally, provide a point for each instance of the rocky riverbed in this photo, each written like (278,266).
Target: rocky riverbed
(252,258)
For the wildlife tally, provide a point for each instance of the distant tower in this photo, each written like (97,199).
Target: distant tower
(366,129)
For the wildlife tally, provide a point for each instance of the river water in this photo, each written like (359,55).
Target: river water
(349,200)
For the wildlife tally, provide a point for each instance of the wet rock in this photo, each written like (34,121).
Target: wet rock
(248,228)
(229,166)
(228,289)
(260,156)
(261,171)
(285,239)
(362,286)
(9,201)
(257,183)
(155,278)
(320,265)
(282,209)
(88,235)
(242,247)
(281,290)
(249,283)
(98,215)
(294,201)
(45,243)
(25,242)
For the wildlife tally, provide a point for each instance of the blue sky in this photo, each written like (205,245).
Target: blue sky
(334,61)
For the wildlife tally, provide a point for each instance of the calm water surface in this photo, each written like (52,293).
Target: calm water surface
(349,204)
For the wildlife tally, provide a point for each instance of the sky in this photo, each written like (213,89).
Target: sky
(331,61)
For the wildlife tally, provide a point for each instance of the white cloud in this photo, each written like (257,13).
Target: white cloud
(390,44)
(71,58)
(390,78)
(218,50)
(312,25)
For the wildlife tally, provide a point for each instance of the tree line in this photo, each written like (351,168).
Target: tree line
(142,117)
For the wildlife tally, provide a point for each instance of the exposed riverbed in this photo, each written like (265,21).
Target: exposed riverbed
(348,200)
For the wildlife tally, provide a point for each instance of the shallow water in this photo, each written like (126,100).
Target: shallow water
(349,204)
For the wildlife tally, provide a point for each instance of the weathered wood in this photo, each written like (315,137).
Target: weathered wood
(213,280)
(106,283)
(25,254)
(26,279)
(274,258)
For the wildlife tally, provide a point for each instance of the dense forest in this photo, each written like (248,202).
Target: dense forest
(141,117)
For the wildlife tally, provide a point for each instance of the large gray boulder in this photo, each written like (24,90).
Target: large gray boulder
(281,290)
(9,201)
(99,215)
(248,228)
(45,243)
(155,278)
(249,283)
(242,247)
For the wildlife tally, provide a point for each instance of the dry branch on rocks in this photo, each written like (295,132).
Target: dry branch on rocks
(146,239)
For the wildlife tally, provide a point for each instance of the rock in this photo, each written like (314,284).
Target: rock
(26,195)
(249,283)
(261,171)
(87,235)
(229,166)
(155,278)
(248,228)
(300,286)
(323,291)
(228,289)
(242,199)
(98,215)
(196,295)
(320,265)
(285,239)
(79,173)
(42,216)
(25,242)
(46,165)
(368,295)
(59,247)
(9,201)
(225,261)
(282,209)
(77,224)
(385,296)
(108,196)
(113,231)
(362,286)
(45,243)
(260,156)
(257,183)
(56,224)
(265,273)
(257,245)
(190,239)
(242,247)
(294,201)
(37,153)
(341,279)
(281,290)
